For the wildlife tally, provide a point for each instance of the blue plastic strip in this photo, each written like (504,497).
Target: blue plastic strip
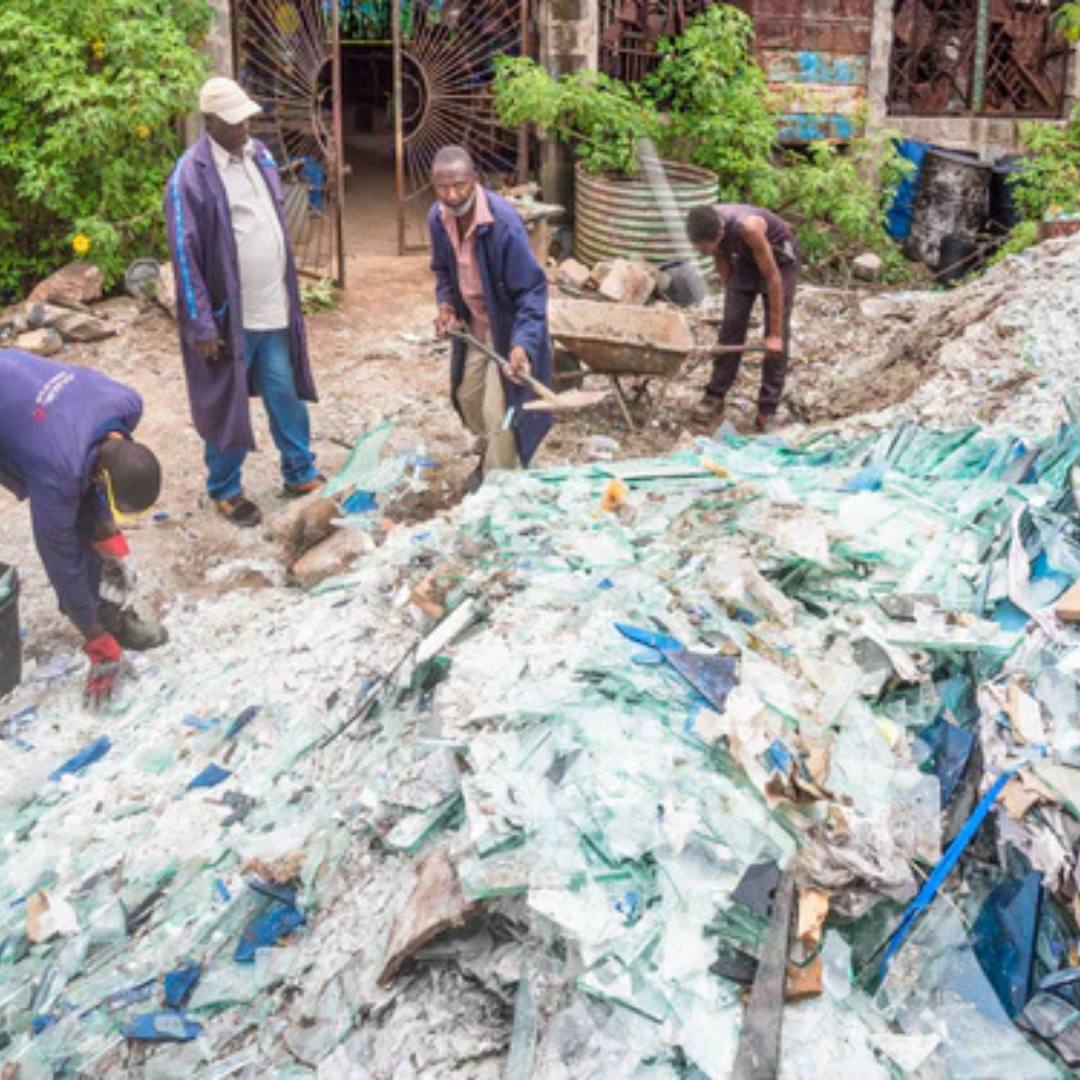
(648,637)
(943,869)
(181,251)
(86,756)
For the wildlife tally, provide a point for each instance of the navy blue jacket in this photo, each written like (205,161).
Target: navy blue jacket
(52,416)
(515,290)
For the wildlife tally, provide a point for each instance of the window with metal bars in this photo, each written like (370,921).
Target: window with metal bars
(631,29)
(977,58)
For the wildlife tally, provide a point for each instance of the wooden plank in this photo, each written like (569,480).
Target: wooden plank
(810,127)
(1068,606)
(811,66)
(841,100)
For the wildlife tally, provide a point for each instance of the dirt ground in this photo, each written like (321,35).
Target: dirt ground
(374,359)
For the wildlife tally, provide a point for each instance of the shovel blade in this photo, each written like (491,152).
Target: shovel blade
(570,401)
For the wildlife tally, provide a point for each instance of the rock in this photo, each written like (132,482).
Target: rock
(599,272)
(866,267)
(886,307)
(75,326)
(44,342)
(48,916)
(76,283)
(574,274)
(303,524)
(165,293)
(333,556)
(437,903)
(119,312)
(628,283)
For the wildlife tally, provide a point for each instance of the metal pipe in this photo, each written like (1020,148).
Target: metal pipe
(982,41)
(399,131)
(523,130)
(338,141)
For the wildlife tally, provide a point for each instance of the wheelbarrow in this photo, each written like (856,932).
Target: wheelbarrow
(628,343)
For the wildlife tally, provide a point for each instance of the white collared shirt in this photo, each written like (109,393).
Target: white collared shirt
(260,242)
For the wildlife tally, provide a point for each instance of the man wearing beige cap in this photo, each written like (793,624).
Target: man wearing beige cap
(238,302)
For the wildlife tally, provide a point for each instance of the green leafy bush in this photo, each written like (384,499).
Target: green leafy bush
(716,98)
(837,202)
(708,103)
(1048,179)
(1050,176)
(601,117)
(90,93)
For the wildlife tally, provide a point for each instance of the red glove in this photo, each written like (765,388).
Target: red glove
(104,653)
(118,573)
(115,547)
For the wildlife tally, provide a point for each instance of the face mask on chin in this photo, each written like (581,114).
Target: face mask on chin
(464,208)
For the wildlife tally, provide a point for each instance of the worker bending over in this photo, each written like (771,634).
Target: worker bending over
(756,254)
(65,443)
(488,281)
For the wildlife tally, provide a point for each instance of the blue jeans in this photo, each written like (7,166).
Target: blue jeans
(267,355)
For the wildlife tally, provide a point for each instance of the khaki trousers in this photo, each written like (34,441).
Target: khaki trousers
(482,403)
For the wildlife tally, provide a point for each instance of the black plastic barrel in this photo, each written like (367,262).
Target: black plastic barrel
(10,641)
(1004,214)
(959,257)
(952,201)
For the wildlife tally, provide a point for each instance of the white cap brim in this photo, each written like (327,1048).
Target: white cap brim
(237,114)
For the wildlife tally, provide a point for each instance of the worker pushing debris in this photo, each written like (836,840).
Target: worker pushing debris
(756,254)
(65,444)
(488,280)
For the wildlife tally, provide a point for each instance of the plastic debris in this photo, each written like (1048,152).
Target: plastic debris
(179,984)
(90,753)
(163,1026)
(210,777)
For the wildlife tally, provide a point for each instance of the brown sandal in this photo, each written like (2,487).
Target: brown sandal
(240,510)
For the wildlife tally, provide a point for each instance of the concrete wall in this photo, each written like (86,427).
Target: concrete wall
(569,41)
(218,44)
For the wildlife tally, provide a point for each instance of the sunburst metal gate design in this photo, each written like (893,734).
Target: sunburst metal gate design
(444,53)
(288,59)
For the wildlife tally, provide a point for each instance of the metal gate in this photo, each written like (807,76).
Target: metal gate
(444,53)
(977,57)
(287,58)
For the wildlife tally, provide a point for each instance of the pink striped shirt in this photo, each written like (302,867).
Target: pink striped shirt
(470,278)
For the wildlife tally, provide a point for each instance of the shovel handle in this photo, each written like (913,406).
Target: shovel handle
(534,385)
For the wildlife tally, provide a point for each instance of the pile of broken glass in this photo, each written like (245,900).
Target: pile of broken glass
(512,797)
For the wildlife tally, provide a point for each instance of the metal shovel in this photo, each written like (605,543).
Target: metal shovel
(569,401)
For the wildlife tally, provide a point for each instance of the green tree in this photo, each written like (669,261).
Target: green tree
(602,118)
(716,97)
(90,95)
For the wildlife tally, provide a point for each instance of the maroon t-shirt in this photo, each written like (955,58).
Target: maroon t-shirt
(780,235)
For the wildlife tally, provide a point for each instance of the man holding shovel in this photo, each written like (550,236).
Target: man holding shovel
(489,283)
(756,254)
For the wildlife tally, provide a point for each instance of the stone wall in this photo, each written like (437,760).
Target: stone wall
(569,41)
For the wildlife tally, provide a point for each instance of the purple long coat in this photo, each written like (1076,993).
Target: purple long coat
(208,296)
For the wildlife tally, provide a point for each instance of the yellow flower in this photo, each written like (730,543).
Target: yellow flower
(97,46)
(142,132)
(80,244)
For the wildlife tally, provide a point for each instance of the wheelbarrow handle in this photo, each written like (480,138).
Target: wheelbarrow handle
(745,347)
(534,385)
